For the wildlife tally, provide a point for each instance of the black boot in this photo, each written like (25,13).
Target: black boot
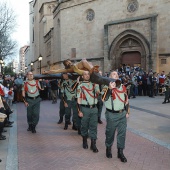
(33,129)
(74,127)
(60,120)
(85,145)
(93,146)
(108,152)
(29,128)
(164,102)
(99,121)
(121,156)
(66,126)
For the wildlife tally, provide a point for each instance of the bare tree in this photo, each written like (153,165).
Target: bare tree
(7,27)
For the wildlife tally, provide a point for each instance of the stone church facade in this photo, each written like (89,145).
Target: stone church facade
(106,32)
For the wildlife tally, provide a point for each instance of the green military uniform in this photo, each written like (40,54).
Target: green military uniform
(33,99)
(167,91)
(88,92)
(115,118)
(131,87)
(62,108)
(100,105)
(69,98)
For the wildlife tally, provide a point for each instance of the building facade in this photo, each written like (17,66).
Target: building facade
(15,66)
(22,58)
(106,32)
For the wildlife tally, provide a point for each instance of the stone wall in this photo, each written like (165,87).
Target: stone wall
(88,36)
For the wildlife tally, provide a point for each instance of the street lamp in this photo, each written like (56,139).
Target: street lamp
(31,65)
(40,59)
(1,61)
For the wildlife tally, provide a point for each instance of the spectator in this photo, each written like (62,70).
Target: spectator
(10,97)
(18,82)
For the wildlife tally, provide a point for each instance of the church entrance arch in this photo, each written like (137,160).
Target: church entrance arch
(130,48)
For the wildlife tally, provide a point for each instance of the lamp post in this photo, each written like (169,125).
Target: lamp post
(1,61)
(3,67)
(31,65)
(40,59)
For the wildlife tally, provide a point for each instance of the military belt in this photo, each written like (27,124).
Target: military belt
(115,111)
(33,97)
(89,106)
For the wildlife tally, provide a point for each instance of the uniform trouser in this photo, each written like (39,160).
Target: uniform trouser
(54,95)
(167,94)
(72,104)
(99,106)
(62,108)
(132,91)
(33,111)
(89,122)
(116,121)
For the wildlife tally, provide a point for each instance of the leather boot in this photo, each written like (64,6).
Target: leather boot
(121,156)
(29,128)
(66,126)
(74,127)
(93,146)
(164,102)
(33,129)
(99,121)
(108,152)
(60,120)
(85,145)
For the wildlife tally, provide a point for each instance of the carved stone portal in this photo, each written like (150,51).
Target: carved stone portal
(129,47)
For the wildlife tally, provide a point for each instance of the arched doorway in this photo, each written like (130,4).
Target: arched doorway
(129,47)
(132,58)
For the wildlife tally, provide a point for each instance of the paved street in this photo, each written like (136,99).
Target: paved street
(52,148)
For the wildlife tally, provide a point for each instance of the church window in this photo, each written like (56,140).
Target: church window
(90,15)
(163,61)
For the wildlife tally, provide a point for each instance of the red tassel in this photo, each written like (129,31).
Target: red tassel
(10,92)
(2,92)
(113,95)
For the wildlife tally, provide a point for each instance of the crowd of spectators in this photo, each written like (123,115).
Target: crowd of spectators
(142,83)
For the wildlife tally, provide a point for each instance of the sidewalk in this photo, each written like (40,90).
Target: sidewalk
(53,148)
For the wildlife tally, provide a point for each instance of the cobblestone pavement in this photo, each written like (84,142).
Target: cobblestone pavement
(53,148)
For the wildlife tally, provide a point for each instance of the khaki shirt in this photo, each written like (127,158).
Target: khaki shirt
(66,89)
(33,90)
(117,103)
(88,97)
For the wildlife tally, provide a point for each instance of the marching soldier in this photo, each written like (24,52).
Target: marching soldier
(62,108)
(117,110)
(31,98)
(69,100)
(167,90)
(87,93)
